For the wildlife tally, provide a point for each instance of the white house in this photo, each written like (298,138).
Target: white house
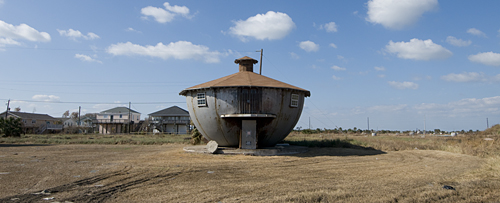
(117,120)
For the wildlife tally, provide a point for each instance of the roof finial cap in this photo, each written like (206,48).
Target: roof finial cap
(246,63)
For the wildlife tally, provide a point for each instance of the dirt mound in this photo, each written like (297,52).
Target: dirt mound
(494,130)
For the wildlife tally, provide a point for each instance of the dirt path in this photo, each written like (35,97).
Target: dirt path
(131,173)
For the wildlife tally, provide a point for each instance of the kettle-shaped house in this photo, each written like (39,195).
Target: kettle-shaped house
(245,109)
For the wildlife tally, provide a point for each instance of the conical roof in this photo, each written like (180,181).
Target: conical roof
(244,79)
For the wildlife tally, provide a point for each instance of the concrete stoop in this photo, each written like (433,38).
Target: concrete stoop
(268,151)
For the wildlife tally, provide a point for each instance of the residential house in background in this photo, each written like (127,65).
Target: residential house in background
(117,120)
(86,124)
(171,120)
(35,123)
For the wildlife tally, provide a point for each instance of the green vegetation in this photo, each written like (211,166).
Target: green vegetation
(11,127)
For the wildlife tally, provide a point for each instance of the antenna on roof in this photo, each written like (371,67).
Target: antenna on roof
(261,52)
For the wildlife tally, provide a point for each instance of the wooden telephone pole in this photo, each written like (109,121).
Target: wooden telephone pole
(7,111)
(261,53)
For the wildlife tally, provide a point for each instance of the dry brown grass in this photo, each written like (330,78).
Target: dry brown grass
(397,169)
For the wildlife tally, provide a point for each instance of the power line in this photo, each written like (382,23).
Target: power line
(82,102)
(322,113)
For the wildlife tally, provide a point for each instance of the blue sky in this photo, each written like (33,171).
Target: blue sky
(404,64)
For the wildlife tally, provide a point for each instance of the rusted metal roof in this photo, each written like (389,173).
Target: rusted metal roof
(245,79)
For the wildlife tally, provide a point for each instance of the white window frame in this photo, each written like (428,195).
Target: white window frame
(294,100)
(201,99)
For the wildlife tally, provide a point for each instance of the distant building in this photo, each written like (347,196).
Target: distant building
(86,123)
(117,120)
(34,122)
(171,120)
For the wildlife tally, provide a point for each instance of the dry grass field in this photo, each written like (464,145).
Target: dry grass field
(366,169)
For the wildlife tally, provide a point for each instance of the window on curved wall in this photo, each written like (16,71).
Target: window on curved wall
(294,100)
(201,99)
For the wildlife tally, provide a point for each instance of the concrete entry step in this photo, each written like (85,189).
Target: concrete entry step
(268,151)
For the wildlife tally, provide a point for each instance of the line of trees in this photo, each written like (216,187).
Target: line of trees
(355,130)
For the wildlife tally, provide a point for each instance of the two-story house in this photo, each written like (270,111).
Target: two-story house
(117,120)
(34,122)
(171,120)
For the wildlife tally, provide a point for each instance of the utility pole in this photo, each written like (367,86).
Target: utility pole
(261,53)
(309,123)
(487,124)
(7,111)
(129,121)
(79,119)
(368,120)
(424,124)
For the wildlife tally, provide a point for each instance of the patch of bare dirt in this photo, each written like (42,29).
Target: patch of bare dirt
(139,173)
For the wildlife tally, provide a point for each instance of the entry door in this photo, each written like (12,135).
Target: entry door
(248,134)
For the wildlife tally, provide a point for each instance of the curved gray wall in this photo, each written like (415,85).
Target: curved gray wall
(226,131)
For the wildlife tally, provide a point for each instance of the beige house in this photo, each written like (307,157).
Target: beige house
(117,120)
(34,122)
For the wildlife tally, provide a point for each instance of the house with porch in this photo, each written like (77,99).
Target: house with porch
(86,124)
(173,120)
(34,122)
(117,120)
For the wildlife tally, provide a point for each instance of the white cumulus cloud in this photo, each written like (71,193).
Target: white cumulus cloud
(486,58)
(458,42)
(165,15)
(40,97)
(333,45)
(309,46)
(181,50)
(10,33)
(329,27)
(271,26)
(336,78)
(465,77)
(132,30)
(464,107)
(75,34)
(337,68)
(86,58)
(381,68)
(403,85)
(418,50)
(476,32)
(397,14)
(8,41)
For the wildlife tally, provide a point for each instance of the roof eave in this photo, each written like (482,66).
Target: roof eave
(184,92)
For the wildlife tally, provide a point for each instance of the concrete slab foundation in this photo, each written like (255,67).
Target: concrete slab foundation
(268,151)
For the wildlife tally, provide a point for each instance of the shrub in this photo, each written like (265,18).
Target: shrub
(11,127)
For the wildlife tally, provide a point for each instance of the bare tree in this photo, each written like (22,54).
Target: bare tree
(74,115)
(65,114)
(90,115)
